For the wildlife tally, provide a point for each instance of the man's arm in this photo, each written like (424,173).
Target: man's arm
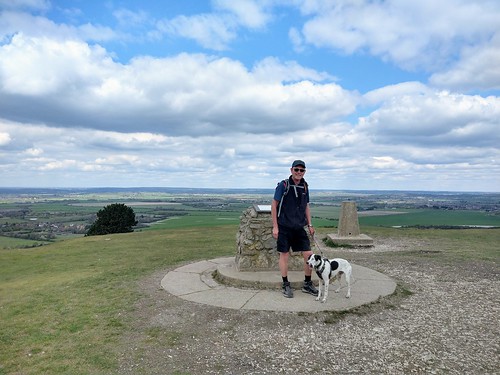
(309,221)
(274,216)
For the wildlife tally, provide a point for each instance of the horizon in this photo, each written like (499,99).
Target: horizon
(270,189)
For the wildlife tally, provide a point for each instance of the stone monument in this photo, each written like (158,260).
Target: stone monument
(256,246)
(348,229)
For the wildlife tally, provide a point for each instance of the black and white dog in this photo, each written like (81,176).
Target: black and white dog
(330,270)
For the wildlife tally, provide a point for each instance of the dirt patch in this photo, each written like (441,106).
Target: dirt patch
(442,319)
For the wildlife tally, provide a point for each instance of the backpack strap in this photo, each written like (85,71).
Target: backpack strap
(286,183)
(287,187)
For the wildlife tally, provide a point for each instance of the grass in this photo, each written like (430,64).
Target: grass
(18,243)
(433,217)
(65,307)
(198,219)
(452,244)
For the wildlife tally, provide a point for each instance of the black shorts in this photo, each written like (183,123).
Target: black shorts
(296,238)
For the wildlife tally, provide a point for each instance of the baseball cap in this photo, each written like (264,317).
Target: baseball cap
(298,162)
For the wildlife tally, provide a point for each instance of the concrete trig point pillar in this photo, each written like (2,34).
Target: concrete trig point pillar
(348,230)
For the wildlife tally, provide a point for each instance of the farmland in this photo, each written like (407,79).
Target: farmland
(36,217)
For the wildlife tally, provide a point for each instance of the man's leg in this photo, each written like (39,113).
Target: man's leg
(307,269)
(283,263)
(308,285)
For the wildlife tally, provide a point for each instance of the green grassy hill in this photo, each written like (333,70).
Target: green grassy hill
(65,307)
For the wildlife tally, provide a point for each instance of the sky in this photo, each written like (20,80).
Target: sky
(371,94)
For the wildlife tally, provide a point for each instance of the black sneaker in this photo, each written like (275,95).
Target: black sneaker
(308,287)
(287,290)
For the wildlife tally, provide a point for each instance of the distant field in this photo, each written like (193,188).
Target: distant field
(36,219)
(16,243)
(432,217)
(131,204)
(328,216)
(197,219)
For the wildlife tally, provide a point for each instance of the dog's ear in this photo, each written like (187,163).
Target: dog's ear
(317,257)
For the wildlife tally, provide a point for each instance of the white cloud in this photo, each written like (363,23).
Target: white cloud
(272,69)
(57,165)
(296,38)
(249,13)
(4,138)
(335,138)
(205,95)
(478,68)
(24,4)
(119,159)
(412,34)
(435,119)
(209,30)
(41,66)
(229,152)
(128,18)
(218,29)
(34,151)
(13,22)
(389,92)
(387,162)
(339,156)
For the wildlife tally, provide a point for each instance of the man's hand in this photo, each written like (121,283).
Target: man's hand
(275,232)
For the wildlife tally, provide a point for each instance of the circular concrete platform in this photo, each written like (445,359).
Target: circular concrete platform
(196,282)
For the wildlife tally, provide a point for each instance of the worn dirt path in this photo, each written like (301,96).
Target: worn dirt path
(442,320)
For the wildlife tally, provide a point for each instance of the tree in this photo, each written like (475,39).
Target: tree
(114,218)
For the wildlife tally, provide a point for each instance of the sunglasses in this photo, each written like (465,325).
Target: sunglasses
(299,170)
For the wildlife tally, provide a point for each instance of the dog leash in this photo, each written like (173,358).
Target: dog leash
(317,244)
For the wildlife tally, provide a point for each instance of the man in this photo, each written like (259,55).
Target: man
(290,213)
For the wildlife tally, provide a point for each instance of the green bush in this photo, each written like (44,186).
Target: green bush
(114,218)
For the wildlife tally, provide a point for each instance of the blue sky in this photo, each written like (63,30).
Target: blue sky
(391,95)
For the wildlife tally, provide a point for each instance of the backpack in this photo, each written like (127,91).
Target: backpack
(287,188)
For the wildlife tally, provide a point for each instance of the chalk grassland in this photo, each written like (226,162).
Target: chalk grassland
(66,307)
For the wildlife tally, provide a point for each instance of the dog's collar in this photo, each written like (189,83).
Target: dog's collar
(324,265)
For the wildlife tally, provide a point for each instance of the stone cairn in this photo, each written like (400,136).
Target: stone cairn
(256,246)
